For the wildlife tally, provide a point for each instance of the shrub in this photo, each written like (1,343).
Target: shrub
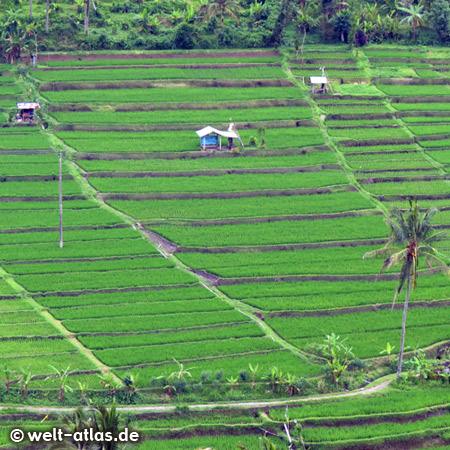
(439,19)
(205,376)
(342,24)
(184,37)
(361,38)
(243,376)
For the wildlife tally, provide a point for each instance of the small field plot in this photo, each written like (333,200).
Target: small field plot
(407,188)
(223,367)
(49,218)
(116,74)
(442,156)
(328,293)
(161,59)
(236,208)
(388,417)
(222,183)
(30,140)
(368,133)
(413,106)
(424,130)
(194,95)
(185,116)
(287,232)
(362,108)
(272,263)
(367,332)
(415,91)
(219,163)
(372,163)
(38,188)
(178,141)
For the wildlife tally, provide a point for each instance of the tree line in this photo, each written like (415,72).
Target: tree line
(32,25)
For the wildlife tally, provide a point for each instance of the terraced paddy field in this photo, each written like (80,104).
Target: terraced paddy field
(226,261)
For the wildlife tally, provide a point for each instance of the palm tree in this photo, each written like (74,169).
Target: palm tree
(223,8)
(415,15)
(108,421)
(307,17)
(409,240)
(77,422)
(86,15)
(47,7)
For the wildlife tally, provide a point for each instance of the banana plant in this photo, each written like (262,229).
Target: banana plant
(388,351)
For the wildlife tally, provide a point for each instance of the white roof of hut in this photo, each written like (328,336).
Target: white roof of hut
(209,130)
(28,105)
(318,80)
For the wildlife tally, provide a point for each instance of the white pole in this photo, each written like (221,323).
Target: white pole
(60,203)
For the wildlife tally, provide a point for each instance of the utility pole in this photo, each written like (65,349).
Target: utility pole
(60,202)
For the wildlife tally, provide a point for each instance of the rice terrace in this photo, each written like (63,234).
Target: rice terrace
(225,245)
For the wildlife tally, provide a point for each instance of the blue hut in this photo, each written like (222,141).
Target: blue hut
(211,138)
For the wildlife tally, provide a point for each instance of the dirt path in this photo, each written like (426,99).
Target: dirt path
(370,389)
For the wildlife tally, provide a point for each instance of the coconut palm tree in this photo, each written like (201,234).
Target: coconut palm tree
(108,420)
(415,15)
(409,240)
(86,14)
(76,422)
(307,17)
(47,8)
(223,8)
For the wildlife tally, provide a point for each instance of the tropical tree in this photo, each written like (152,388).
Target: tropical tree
(422,366)
(409,240)
(47,8)
(415,15)
(25,378)
(130,381)
(83,390)
(342,23)
(337,354)
(15,35)
(8,373)
(107,420)
(222,8)
(109,382)
(292,385)
(254,371)
(99,420)
(177,379)
(62,376)
(86,15)
(233,382)
(438,18)
(306,17)
(148,22)
(77,422)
